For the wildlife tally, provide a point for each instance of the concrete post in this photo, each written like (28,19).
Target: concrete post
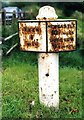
(48,66)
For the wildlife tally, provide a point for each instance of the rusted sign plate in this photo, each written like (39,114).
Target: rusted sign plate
(31,36)
(61,35)
(48,36)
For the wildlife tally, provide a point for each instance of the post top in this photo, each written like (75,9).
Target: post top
(47,13)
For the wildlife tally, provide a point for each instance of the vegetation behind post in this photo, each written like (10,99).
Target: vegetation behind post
(3,21)
(14,22)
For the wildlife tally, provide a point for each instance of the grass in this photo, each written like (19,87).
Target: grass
(20,86)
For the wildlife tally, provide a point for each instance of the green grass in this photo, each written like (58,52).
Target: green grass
(20,86)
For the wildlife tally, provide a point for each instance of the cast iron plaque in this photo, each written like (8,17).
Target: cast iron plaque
(48,36)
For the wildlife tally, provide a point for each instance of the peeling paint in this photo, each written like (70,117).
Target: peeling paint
(48,79)
(61,36)
(45,36)
(31,37)
(47,74)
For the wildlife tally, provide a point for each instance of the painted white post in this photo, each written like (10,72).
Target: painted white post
(48,66)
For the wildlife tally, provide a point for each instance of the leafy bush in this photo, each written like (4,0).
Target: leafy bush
(31,11)
(7,30)
(80,37)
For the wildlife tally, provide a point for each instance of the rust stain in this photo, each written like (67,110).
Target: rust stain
(62,36)
(52,96)
(28,33)
(54,91)
(43,57)
(44,95)
(41,89)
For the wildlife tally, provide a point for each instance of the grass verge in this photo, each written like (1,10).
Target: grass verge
(20,86)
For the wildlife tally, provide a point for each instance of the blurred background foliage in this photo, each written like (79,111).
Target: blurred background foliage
(64,10)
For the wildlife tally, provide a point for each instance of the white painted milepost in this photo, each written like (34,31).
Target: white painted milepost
(48,35)
(48,66)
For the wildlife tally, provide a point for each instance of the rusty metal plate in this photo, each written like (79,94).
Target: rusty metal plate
(31,36)
(61,35)
(48,36)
